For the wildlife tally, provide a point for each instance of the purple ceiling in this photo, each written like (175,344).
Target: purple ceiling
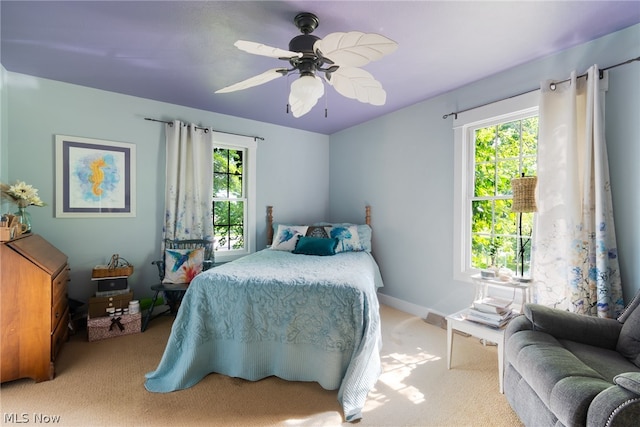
(181,52)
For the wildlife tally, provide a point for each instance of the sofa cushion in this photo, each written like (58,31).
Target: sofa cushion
(629,339)
(607,363)
(543,362)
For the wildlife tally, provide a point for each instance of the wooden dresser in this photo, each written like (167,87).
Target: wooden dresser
(33,307)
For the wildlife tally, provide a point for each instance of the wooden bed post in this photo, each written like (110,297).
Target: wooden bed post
(367,218)
(269,225)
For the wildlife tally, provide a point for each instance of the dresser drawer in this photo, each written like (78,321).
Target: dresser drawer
(59,335)
(57,312)
(59,285)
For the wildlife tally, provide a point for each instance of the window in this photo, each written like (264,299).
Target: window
(234,216)
(501,152)
(494,144)
(229,200)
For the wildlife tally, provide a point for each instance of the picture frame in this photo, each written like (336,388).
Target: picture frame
(95,178)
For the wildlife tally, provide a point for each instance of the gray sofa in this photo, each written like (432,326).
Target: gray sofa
(564,369)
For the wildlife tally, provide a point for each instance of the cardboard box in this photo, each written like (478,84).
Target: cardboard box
(101,328)
(98,305)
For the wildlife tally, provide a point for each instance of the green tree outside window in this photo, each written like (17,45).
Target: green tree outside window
(501,152)
(228,199)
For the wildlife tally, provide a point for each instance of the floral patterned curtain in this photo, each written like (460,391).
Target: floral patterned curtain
(189,182)
(575,263)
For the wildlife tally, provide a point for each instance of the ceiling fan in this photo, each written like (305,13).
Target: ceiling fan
(337,57)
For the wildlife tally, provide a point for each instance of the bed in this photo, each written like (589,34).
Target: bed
(284,311)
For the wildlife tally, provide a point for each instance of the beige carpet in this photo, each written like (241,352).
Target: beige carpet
(101,384)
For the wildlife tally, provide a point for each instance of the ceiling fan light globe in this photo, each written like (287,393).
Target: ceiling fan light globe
(308,86)
(304,94)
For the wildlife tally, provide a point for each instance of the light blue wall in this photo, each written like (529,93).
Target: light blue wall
(402,164)
(623,143)
(291,172)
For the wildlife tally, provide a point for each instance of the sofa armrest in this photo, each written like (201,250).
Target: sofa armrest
(618,405)
(629,381)
(561,324)
(518,323)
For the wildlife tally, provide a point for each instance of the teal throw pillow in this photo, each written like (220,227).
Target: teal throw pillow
(316,246)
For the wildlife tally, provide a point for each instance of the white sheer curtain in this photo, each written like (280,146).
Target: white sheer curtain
(575,255)
(189,182)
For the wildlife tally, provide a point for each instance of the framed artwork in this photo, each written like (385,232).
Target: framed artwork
(94,178)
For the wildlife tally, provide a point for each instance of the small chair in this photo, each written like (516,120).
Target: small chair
(173,292)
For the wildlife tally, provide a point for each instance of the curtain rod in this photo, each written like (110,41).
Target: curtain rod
(206,129)
(551,86)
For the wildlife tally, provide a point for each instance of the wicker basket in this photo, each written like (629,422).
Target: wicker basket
(104,271)
(117,267)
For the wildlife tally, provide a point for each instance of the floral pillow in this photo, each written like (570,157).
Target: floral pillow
(182,265)
(287,236)
(364,233)
(347,235)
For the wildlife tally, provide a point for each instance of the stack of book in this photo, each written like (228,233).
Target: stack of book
(491,311)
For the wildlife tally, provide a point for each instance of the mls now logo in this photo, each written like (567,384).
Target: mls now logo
(24,418)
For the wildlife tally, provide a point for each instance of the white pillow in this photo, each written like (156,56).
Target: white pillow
(287,236)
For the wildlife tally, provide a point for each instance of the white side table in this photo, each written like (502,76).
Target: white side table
(483,285)
(458,322)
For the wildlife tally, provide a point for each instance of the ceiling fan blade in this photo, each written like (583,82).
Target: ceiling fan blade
(354,49)
(356,83)
(265,77)
(264,50)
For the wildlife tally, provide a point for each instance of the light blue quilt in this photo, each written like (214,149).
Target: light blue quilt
(298,317)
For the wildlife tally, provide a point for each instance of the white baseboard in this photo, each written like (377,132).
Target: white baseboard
(407,307)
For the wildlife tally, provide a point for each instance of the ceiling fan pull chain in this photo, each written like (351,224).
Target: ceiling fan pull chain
(326,105)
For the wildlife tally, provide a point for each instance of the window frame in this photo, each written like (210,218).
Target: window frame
(464,126)
(249,146)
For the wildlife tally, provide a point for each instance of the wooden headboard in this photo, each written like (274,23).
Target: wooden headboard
(367,220)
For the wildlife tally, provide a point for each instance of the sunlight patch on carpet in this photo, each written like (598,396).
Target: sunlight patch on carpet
(397,367)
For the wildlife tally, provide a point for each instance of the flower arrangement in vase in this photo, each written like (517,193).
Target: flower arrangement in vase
(23,195)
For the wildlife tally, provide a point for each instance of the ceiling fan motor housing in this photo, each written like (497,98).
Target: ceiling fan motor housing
(309,61)
(303,43)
